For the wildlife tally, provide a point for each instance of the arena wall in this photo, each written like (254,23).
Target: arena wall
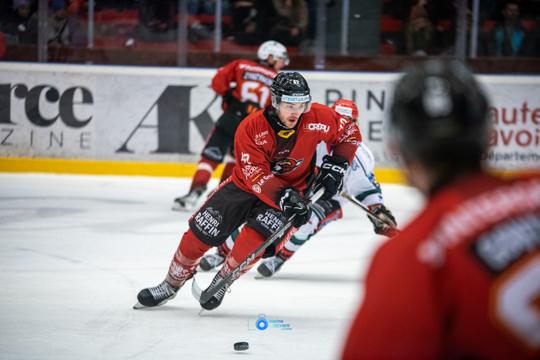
(153,121)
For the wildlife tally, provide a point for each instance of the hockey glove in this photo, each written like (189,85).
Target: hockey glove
(382,227)
(292,203)
(333,170)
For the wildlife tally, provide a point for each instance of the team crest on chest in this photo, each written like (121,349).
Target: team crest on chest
(285,165)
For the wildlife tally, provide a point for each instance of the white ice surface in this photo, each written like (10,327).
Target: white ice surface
(75,251)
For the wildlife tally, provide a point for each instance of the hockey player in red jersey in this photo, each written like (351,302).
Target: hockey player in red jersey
(359,182)
(462,280)
(275,154)
(244,86)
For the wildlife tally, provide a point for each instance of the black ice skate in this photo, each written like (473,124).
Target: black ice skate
(215,300)
(210,261)
(270,266)
(155,296)
(189,201)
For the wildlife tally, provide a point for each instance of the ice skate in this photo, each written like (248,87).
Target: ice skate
(270,266)
(155,296)
(189,201)
(210,261)
(215,300)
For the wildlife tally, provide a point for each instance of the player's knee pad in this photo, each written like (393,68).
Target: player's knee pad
(247,241)
(191,246)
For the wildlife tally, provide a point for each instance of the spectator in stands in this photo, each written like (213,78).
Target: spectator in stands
(156,22)
(509,38)
(254,28)
(63,29)
(419,30)
(290,21)
(198,29)
(15,22)
(2,45)
(159,14)
(242,12)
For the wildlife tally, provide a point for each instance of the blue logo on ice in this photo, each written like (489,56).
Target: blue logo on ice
(261,323)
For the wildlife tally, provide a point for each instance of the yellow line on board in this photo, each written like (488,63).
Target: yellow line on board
(98,167)
(103,167)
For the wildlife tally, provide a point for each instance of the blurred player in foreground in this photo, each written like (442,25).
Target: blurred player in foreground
(245,88)
(359,182)
(462,280)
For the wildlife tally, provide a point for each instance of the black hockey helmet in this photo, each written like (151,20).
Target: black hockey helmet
(439,114)
(290,87)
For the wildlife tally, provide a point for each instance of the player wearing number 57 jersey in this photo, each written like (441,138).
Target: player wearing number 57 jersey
(244,86)
(462,280)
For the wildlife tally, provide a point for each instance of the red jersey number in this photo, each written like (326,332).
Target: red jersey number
(516,302)
(255,92)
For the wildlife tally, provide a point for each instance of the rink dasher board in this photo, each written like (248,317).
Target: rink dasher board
(107,115)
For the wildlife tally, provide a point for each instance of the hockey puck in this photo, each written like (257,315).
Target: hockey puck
(241,346)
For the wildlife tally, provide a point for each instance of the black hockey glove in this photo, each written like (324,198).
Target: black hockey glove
(333,170)
(292,203)
(380,226)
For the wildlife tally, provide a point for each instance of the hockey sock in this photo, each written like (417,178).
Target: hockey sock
(227,171)
(245,244)
(224,249)
(185,259)
(202,175)
(291,247)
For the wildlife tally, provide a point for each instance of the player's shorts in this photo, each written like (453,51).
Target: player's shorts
(227,208)
(220,141)
(218,145)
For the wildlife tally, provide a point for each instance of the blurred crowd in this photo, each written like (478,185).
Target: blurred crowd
(412,27)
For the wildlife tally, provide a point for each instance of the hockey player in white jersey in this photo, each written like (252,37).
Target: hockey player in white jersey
(359,182)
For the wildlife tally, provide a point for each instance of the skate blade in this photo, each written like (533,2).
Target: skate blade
(262,277)
(178,207)
(138,306)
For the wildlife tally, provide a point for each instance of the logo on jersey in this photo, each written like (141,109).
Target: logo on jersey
(286,133)
(317,127)
(342,123)
(250,170)
(285,165)
(245,158)
(349,135)
(260,138)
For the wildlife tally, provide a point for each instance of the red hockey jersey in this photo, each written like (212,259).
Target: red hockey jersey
(462,280)
(269,159)
(252,80)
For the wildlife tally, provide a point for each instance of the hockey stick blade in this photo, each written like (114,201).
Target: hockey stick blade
(366,210)
(212,290)
(196,290)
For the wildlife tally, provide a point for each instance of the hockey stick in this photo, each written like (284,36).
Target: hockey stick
(356,202)
(204,296)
